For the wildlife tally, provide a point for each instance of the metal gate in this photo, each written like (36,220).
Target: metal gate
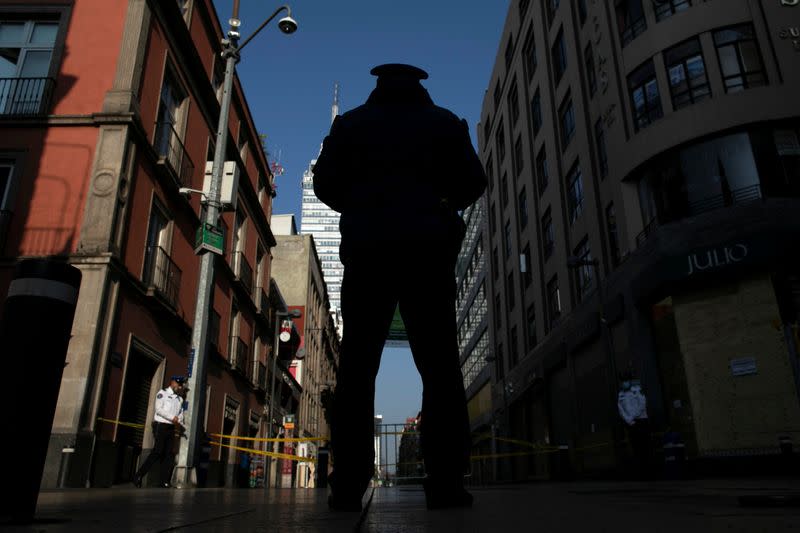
(398,456)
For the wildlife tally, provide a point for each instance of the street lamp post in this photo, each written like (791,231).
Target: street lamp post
(575,263)
(199,350)
(276,350)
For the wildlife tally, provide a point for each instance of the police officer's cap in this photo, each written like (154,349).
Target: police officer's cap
(180,380)
(399,70)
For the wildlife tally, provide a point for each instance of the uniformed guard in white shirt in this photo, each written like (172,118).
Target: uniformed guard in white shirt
(167,418)
(632,405)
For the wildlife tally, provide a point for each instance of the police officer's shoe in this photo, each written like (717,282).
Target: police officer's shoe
(166,486)
(137,481)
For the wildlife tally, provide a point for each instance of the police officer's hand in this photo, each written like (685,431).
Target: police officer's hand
(175,420)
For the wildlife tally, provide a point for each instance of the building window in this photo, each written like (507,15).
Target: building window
(500,141)
(507,238)
(630,20)
(527,275)
(552,7)
(522,204)
(529,50)
(487,129)
(498,312)
(490,172)
(582,12)
(575,193)
(536,108)
(495,263)
(559,55)
(666,8)
(7,167)
(531,324)
(492,216)
(553,302)
(602,153)
(643,90)
(523,7)
(509,51)
(513,350)
(739,58)
(566,115)
(541,171)
(498,93)
(548,235)
(499,363)
(504,189)
(591,76)
(26,51)
(686,72)
(613,234)
(519,158)
(168,137)
(513,103)
(510,290)
(584,275)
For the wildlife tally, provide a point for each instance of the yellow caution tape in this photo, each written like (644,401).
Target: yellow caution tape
(277,455)
(119,423)
(270,439)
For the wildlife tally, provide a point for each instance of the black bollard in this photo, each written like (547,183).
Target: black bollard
(322,467)
(34,335)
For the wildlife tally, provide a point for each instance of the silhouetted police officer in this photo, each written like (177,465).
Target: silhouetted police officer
(399,168)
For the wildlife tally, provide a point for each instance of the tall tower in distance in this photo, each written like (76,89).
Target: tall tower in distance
(322,222)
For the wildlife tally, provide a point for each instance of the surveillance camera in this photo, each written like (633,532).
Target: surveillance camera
(185,191)
(287,25)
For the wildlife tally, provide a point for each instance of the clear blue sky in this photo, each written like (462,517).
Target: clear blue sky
(288,81)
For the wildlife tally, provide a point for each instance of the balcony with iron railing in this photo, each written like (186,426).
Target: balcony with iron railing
(237,355)
(26,96)
(172,153)
(726,198)
(243,271)
(162,275)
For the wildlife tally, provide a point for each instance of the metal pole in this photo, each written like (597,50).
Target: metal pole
(197,363)
(276,343)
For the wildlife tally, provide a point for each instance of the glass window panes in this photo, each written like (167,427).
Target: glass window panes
(739,58)
(44,33)
(536,107)
(687,74)
(567,116)
(559,55)
(12,33)
(666,8)
(542,172)
(644,95)
(575,193)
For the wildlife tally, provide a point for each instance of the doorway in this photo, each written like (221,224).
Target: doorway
(134,408)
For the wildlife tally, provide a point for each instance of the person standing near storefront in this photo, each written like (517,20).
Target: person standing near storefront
(632,406)
(167,418)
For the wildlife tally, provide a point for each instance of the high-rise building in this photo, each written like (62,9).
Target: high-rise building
(644,169)
(473,323)
(322,222)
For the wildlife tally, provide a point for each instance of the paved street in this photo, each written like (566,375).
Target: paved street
(708,505)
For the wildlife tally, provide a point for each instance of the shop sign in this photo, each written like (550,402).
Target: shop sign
(716,257)
(792,33)
(744,366)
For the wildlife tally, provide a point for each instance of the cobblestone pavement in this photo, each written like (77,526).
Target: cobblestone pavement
(683,507)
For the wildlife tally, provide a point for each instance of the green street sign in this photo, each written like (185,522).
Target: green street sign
(209,238)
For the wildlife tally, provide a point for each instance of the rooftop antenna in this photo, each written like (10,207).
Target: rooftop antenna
(335,107)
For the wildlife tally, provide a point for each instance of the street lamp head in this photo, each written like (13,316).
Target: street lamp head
(287,25)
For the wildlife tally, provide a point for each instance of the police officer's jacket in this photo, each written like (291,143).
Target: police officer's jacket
(632,404)
(398,168)
(168,406)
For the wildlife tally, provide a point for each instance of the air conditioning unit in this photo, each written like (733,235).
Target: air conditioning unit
(230,183)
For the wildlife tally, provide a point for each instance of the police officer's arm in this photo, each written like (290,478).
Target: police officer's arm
(329,172)
(468,171)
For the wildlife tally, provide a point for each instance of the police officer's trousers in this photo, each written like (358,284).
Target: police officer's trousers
(161,452)
(421,280)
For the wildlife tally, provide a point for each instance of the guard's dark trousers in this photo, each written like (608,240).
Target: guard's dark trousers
(161,452)
(421,279)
